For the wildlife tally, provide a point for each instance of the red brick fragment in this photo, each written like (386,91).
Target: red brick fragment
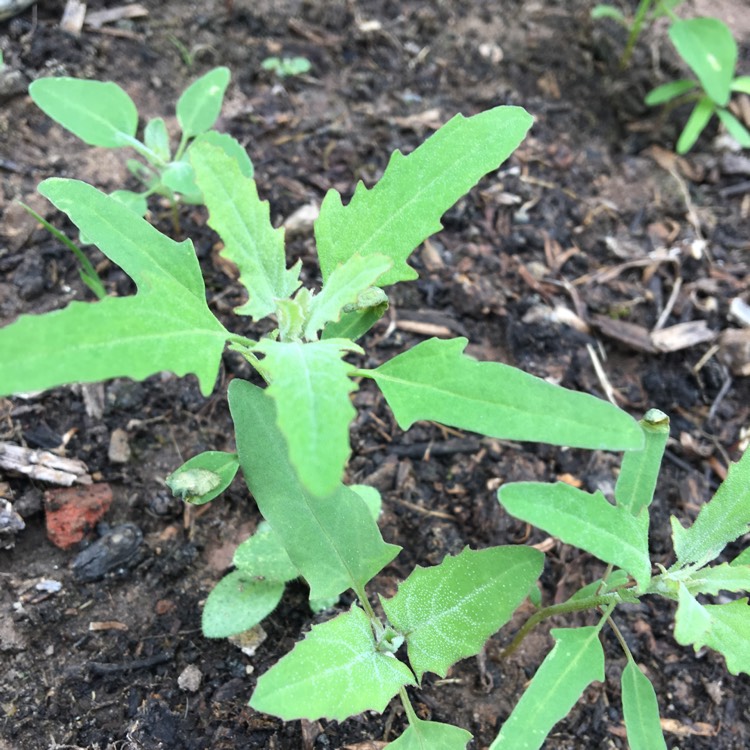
(72,513)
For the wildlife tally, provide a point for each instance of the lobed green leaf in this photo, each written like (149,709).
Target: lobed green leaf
(243,222)
(435,380)
(237,603)
(333,541)
(576,660)
(722,627)
(99,113)
(431,735)
(200,103)
(404,207)
(585,520)
(166,326)
(723,519)
(334,673)
(310,385)
(640,710)
(447,612)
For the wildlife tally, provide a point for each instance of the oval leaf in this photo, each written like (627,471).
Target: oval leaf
(200,104)
(640,710)
(203,477)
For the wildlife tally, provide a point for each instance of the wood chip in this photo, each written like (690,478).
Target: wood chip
(734,350)
(424,329)
(73,16)
(682,336)
(699,728)
(99,18)
(42,465)
(630,334)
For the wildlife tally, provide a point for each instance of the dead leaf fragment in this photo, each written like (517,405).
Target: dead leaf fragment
(699,728)
(682,336)
(42,465)
(734,350)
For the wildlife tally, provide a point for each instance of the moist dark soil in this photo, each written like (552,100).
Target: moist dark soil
(592,238)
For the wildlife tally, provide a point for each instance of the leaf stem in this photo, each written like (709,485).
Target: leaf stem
(410,712)
(579,605)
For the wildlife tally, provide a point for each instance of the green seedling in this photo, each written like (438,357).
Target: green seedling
(292,436)
(103,114)
(710,51)
(617,534)
(646,13)
(286,67)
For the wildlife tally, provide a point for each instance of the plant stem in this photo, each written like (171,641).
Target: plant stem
(558,609)
(635,31)
(362,596)
(410,713)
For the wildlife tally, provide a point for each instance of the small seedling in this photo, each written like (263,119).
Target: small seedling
(292,437)
(709,49)
(103,114)
(646,13)
(617,534)
(285,67)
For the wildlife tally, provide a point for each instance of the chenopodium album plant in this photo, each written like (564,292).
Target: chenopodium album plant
(103,114)
(617,533)
(292,436)
(710,51)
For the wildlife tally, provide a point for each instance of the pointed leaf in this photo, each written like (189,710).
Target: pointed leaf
(404,208)
(588,521)
(336,672)
(242,221)
(640,469)
(263,556)
(708,47)
(723,519)
(431,735)
(99,113)
(640,710)
(724,577)
(668,91)
(156,137)
(357,323)
(200,104)
(342,288)
(203,477)
(447,612)
(334,542)
(734,127)
(165,326)
(310,384)
(695,125)
(576,660)
(237,603)
(741,84)
(435,380)
(722,627)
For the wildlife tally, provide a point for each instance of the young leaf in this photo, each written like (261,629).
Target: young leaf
(359,321)
(229,145)
(722,627)
(179,177)
(720,521)
(640,469)
(345,284)
(165,326)
(237,603)
(741,85)
(242,221)
(404,208)
(136,202)
(576,660)
(640,710)
(669,91)
(310,384)
(724,577)
(200,103)
(203,477)
(431,735)
(156,137)
(435,380)
(334,673)
(334,542)
(99,113)
(734,127)
(708,47)
(608,11)
(263,556)
(447,612)
(695,124)
(588,521)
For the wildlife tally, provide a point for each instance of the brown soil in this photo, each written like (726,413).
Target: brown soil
(591,216)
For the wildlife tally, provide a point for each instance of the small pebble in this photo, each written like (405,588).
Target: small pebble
(119,448)
(190,678)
